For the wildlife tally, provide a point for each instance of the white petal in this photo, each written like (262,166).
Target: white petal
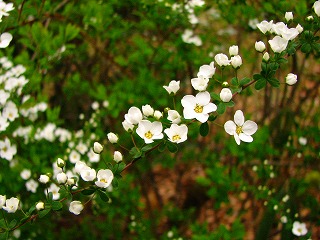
(202,117)
(236,137)
(189,113)
(230,127)
(188,100)
(211,107)
(249,127)
(239,118)
(157,127)
(203,98)
(245,138)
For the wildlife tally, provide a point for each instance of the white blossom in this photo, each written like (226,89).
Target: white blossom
(265,26)
(32,185)
(2,200)
(113,138)
(149,131)
(288,16)
(104,178)
(117,156)
(207,71)
(278,44)
(5,39)
(25,174)
(62,178)
(174,116)
(260,46)
(44,179)
(173,87)
(76,207)
(87,173)
(225,95)
(299,229)
(222,60)
(316,7)
(236,61)
(147,110)
(40,206)
(134,115)
(176,133)
(200,83)
(233,50)
(97,147)
(291,79)
(12,205)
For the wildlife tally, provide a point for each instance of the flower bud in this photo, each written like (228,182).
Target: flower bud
(60,163)
(260,46)
(157,114)
(222,60)
(291,79)
(316,8)
(236,61)
(44,179)
(288,16)
(40,206)
(225,95)
(97,148)
(310,18)
(234,50)
(62,178)
(225,84)
(112,137)
(266,56)
(117,156)
(70,181)
(147,110)
(299,28)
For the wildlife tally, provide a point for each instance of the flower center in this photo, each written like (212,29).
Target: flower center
(148,135)
(198,108)
(239,130)
(103,180)
(176,138)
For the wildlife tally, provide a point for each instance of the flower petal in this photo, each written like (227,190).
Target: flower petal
(230,127)
(211,107)
(202,117)
(245,137)
(239,118)
(249,127)
(203,98)
(236,137)
(189,113)
(188,101)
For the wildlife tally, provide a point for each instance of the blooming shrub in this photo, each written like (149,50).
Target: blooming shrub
(93,125)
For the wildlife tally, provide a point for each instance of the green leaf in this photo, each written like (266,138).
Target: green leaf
(50,196)
(13,223)
(71,32)
(173,148)
(148,147)
(31,210)
(88,191)
(4,235)
(261,83)
(162,146)
(221,108)
(229,104)
(257,76)
(244,81)
(121,166)
(306,48)
(274,82)
(215,96)
(135,152)
(56,205)
(234,81)
(104,197)
(115,182)
(204,129)
(212,117)
(44,212)
(3,223)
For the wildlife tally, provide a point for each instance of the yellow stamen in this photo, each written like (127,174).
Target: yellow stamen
(198,108)
(239,130)
(176,138)
(148,135)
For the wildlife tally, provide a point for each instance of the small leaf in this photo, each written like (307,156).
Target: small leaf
(274,82)
(3,223)
(261,83)
(104,197)
(31,210)
(173,148)
(50,196)
(244,81)
(306,48)
(89,191)
(230,104)
(115,182)
(56,205)
(13,223)
(234,81)
(215,96)
(44,212)
(4,234)
(162,146)
(221,108)
(147,147)
(212,117)
(257,76)
(135,152)
(204,129)
(121,166)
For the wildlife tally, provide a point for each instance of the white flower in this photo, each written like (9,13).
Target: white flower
(233,50)
(149,131)
(87,173)
(279,27)
(240,129)
(5,8)
(134,115)
(60,163)
(299,229)
(7,151)
(200,83)
(198,106)
(147,110)
(284,219)
(188,37)
(265,26)
(157,114)
(2,200)
(291,79)
(174,116)
(260,46)
(32,185)
(3,123)
(278,44)
(316,7)
(12,205)
(95,105)
(54,189)
(299,28)
(10,111)
(40,206)
(93,157)
(44,179)
(207,71)
(266,56)
(75,207)
(290,33)
(25,174)
(82,148)
(222,60)
(236,61)
(173,87)
(303,141)
(5,39)
(74,156)
(117,156)
(176,133)
(225,95)
(127,126)
(288,16)
(104,177)
(62,178)
(113,138)
(97,147)
(79,166)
